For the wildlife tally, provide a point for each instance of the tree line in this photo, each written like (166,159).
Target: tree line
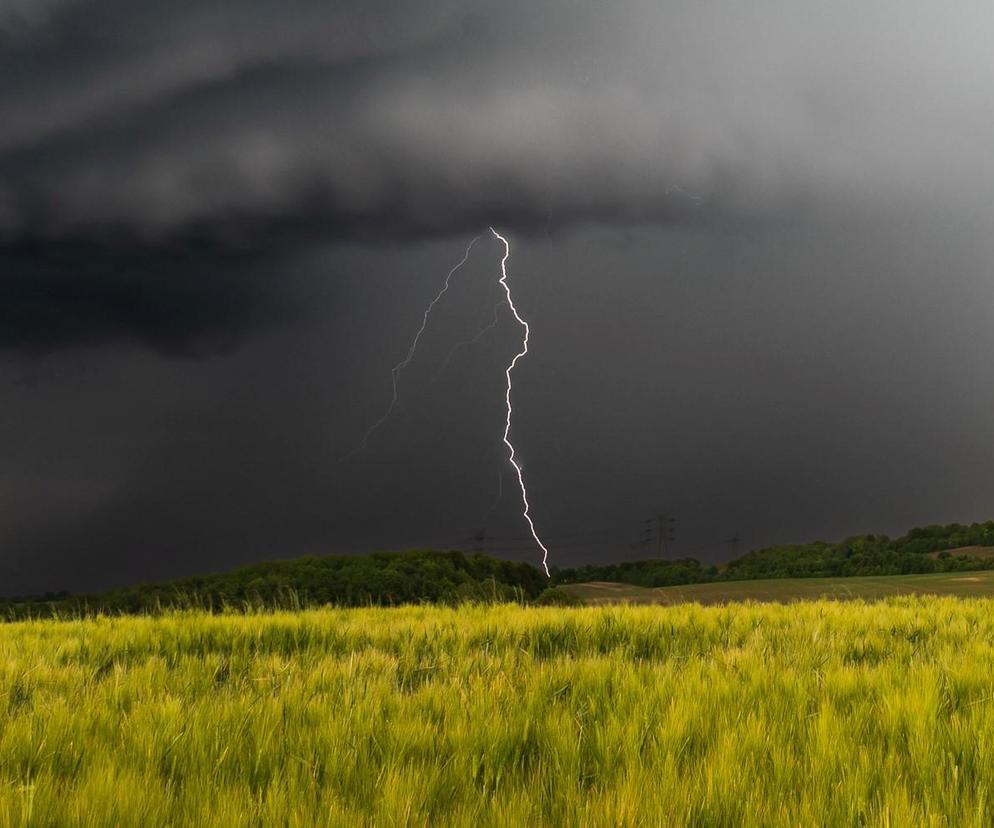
(431,576)
(919,551)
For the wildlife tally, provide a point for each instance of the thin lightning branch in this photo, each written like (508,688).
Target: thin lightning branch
(400,366)
(468,342)
(507,399)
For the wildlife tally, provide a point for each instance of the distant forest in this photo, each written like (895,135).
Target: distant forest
(382,578)
(922,550)
(429,576)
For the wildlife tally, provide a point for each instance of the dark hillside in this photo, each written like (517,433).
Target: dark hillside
(383,578)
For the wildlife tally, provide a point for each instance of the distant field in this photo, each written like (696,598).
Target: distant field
(985,552)
(820,713)
(965,584)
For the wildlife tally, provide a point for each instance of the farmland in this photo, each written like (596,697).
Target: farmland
(821,712)
(964,584)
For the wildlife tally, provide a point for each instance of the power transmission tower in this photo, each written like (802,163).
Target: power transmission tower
(662,527)
(646,536)
(734,541)
(665,534)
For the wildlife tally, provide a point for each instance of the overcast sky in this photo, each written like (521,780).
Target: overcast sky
(753,241)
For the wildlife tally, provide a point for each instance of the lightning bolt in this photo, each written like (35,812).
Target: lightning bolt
(507,399)
(400,366)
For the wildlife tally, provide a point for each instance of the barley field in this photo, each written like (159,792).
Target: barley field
(817,713)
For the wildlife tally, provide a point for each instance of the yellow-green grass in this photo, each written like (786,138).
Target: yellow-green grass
(816,713)
(963,584)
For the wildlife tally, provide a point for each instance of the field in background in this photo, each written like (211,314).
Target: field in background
(981,552)
(964,584)
(820,713)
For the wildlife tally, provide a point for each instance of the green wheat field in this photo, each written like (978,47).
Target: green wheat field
(818,713)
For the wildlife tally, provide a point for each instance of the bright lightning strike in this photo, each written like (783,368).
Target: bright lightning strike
(507,399)
(400,366)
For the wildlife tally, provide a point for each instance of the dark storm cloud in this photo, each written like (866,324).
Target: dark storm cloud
(184,302)
(127,125)
(425,117)
(131,207)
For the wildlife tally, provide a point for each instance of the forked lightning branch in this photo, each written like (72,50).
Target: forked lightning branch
(506,437)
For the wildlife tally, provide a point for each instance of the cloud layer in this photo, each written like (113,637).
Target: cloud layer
(136,132)
(148,119)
